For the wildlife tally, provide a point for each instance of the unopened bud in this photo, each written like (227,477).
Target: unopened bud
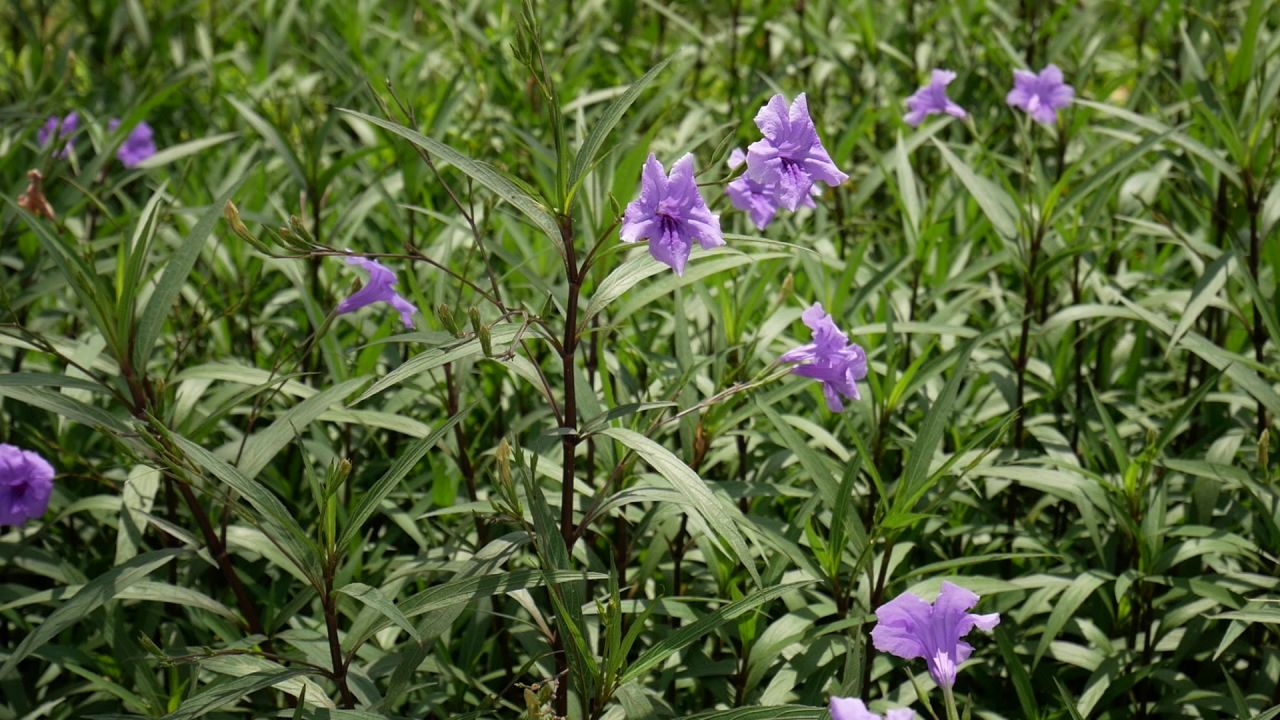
(503,456)
(300,230)
(232,214)
(150,645)
(486,342)
(447,320)
(475,320)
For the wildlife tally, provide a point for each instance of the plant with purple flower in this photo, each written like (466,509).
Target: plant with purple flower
(932,99)
(790,155)
(381,288)
(911,628)
(26,482)
(1042,95)
(138,146)
(830,358)
(855,709)
(55,128)
(670,213)
(760,200)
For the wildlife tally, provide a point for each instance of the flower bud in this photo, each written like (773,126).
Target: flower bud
(232,215)
(475,320)
(486,342)
(300,230)
(447,320)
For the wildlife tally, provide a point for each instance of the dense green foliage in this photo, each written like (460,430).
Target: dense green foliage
(264,509)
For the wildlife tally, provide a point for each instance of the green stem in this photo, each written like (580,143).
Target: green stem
(949,698)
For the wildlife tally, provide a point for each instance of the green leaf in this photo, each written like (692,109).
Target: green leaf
(405,461)
(992,199)
(90,598)
(1206,289)
(262,446)
(274,140)
(771,712)
(174,153)
(603,125)
(1018,673)
(690,633)
(722,517)
(65,406)
(915,477)
(482,173)
(1178,138)
(376,599)
(439,357)
(464,590)
(623,278)
(282,526)
(1070,600)
(176,270)
(225,693)
(1242,64)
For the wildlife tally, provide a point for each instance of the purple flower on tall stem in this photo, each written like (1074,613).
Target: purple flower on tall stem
(790,155)
(854,709)
(55,128)
(911,628)
(138,146)
(380,288)
(932,99)
(1040,95)
(759,200)
(830,358)
(670,213)
(26,482)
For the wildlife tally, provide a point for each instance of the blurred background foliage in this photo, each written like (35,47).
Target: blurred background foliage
(245,481)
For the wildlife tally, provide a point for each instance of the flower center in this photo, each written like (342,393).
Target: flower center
(669,215)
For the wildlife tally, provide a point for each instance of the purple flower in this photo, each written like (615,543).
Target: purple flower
(932,99)
(831,358)
(379,289)
(790,155)
(138,146)
(1040,95)
(54,129)
(670,213)
(853,709)
(912,628)
(26,481)
(760,200)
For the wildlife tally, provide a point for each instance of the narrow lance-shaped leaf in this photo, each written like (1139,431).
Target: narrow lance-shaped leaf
(262,446)
(723,517)
(693,631)
(604,124)
(175,275)
(370,500)
(992,199)
(90,598)
(484,174)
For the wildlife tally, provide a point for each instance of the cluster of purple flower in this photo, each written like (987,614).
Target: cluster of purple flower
(911,629)
(137,146)
(1041,95)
